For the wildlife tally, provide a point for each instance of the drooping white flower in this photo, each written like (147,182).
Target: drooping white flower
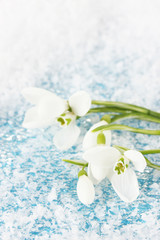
(90,139)
(85,190)
(100,161)
(49,109)
(109,162)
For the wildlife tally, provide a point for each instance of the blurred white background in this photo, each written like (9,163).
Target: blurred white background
(44,37)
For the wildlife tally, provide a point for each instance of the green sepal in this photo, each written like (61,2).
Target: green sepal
(106,118)
(101,138)
(81,173)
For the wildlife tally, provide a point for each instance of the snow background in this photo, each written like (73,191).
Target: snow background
(110,49)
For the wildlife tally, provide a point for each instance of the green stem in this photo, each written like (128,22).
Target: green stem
(108,109)
(76,162)
(137,115)
(121,149)
(152,165)
(127,106)
(126,128)
(151,151)
(125,114)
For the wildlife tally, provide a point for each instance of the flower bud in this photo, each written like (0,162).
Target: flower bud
(85,190)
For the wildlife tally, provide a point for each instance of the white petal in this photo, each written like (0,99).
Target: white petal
(85,190)
(96,174)
(80,102)
(51,106)
(126,185)
(90,175)
(102,160)
(34,95)
(137,158)
(33,120)
(66,137)
(102,156)
(90,139)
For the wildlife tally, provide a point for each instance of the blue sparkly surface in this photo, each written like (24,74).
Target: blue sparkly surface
(38,198)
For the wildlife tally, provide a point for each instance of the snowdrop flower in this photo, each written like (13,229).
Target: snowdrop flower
(109,162)
(91,138)
(100,161)
(49,109)
(85,190)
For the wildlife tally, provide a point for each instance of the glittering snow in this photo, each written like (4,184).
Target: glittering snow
(110,49)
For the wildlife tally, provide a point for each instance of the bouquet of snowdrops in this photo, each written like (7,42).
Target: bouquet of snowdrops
(100,159)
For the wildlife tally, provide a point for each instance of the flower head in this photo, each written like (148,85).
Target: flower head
(108,162)
(47,107)
(91,138)
(50,109)
(85,190)
(100,161)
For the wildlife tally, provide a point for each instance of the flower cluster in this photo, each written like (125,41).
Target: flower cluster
(100,158)
(105,161)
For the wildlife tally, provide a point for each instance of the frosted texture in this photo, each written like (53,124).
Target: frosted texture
(111,50)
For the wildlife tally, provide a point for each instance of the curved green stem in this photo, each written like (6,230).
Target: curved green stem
(127,106)
(151,151)
(126,128)
(152,165)
(76,162)
(137,115)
